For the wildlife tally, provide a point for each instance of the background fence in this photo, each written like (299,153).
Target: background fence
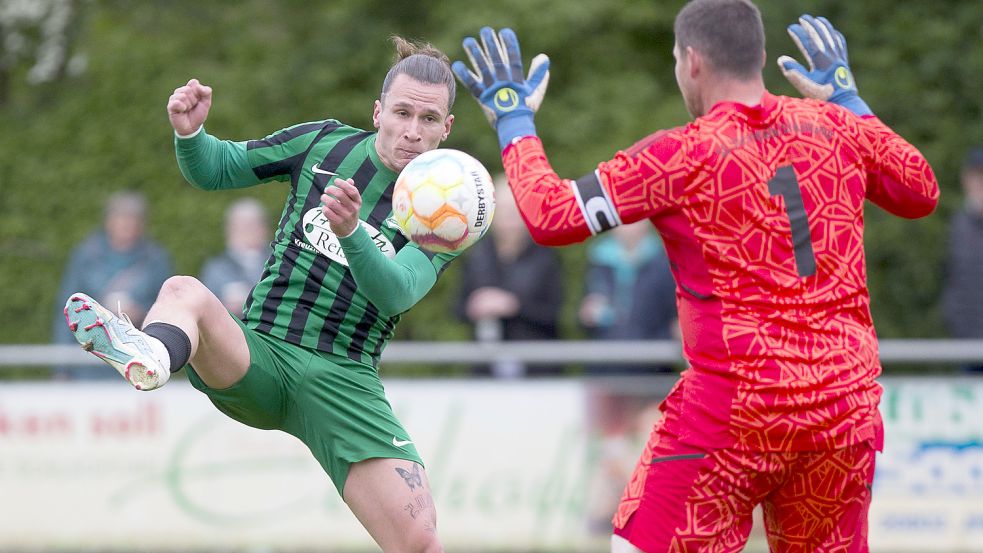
(902,352)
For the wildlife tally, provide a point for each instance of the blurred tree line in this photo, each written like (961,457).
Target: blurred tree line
(83,86)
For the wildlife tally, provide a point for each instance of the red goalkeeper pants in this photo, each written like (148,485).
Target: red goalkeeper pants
(685,499)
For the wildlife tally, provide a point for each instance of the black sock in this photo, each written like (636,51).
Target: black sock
(174,339)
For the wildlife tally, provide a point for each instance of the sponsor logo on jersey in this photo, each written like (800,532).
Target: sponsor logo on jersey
(320,238)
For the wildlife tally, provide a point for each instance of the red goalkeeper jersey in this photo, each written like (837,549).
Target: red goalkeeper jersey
(761,212)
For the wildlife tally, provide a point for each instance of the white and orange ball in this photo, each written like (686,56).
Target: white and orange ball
(444,200)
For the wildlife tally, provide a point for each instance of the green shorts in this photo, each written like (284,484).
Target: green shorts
(336,406)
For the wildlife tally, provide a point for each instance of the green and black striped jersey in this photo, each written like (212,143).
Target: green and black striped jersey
(307,294)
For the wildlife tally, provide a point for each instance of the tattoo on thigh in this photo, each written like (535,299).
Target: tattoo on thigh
(412,477)
(422,506)
(419,504)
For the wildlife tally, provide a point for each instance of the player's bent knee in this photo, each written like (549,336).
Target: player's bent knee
(186,290)
(421,539)
(182,286)
(427,543)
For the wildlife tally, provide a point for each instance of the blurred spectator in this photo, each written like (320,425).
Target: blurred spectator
(963,293)
(619,417)
(231,275)
(630,292)
(118,266)
(511,288)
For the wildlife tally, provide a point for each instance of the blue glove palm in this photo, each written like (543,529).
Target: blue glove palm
(828,77)
(508,100)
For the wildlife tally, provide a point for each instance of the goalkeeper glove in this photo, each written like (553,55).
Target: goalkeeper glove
(496,82)
(828,77)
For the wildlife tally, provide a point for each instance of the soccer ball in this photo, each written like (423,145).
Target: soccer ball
(444,200)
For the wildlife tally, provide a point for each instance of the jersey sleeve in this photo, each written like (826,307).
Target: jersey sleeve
(899,179)
(636,184)
(212,164)
(392,285)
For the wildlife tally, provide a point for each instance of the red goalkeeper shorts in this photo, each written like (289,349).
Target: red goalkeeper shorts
(681,498)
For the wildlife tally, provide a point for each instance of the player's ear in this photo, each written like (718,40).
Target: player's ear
(376,112)
(695,62)
(447,127)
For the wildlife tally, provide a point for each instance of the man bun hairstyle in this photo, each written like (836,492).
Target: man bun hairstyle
(423,62)
(729,33)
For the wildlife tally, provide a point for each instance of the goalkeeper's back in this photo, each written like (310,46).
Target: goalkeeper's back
(761,211)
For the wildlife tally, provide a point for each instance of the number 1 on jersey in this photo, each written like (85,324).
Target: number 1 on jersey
(786,185)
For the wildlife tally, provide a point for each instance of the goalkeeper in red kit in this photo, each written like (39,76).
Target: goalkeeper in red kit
(760,203)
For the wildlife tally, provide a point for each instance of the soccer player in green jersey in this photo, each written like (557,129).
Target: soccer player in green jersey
(303,358)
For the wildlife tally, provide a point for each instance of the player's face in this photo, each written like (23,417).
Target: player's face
(412,118)
(687,85)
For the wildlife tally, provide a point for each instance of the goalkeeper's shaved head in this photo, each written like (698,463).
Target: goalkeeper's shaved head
(729,34)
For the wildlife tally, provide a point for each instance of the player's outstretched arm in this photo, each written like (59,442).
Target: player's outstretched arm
(556,211)
(828,77)
(496,81)
(188,106)
(510,100)
(899,178)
